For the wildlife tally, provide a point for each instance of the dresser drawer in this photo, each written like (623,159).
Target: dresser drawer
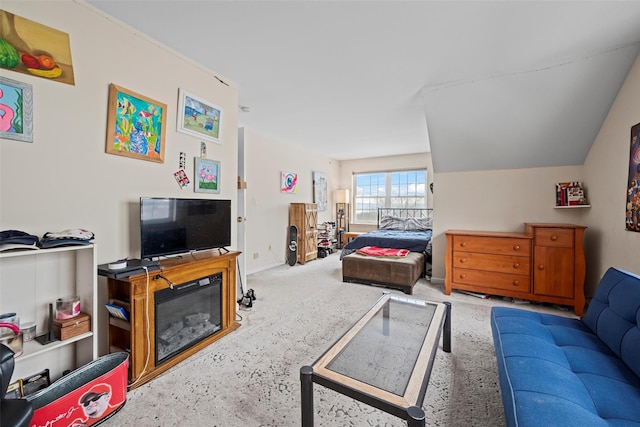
(489,262)
(512,282)
(557,237)
(492,245)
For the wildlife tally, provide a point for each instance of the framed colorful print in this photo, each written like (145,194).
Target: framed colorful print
(16,105)
(199,118)
(34,49)
(320,190)
(136,125)
(632,217)
(289,182)
(207,176)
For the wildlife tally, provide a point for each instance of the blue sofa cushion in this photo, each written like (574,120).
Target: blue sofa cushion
(556,370)
(614,315)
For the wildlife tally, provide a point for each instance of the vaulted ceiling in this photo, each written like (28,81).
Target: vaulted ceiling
(480,84)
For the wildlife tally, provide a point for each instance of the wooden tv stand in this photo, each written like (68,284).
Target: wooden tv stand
(136,294)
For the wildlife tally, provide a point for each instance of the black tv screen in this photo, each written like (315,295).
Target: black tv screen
(172,226)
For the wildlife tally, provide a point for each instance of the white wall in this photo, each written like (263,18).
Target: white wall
(267,208)
(502,200)
(606,168)
(64,179)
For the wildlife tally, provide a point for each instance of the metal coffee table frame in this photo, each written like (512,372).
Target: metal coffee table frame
(407,406)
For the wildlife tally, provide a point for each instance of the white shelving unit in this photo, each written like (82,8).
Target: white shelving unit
(30,280)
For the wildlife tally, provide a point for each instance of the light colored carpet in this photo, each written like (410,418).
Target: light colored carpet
(252,376)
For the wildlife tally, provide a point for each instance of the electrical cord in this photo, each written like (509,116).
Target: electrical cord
(160,276)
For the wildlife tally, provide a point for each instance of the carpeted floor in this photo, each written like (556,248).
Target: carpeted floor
(251,377)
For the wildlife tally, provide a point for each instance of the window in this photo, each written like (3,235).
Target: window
(400,189)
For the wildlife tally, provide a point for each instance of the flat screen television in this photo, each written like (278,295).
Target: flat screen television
(170,226)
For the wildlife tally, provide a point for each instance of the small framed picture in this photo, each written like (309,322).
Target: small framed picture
(207,176)
(35,382)
(198,117)
(16,99)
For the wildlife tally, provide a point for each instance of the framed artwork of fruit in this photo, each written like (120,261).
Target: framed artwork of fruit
(28,47)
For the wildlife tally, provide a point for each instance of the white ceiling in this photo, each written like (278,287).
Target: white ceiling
(500,84)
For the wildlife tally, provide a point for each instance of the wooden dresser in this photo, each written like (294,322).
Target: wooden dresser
(545,263)
(305,217)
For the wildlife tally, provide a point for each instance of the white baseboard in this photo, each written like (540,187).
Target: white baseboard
(437,280)
(264,267)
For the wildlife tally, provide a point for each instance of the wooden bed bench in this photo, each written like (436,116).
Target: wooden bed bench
(396,273)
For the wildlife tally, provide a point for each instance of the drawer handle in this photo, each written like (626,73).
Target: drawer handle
(462,260)
(516,265)
(516,283)
(541,267)
(462,276)
(516,247)
(554,238)
(463,244)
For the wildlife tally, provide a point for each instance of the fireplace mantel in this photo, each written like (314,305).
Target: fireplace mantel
(136,295)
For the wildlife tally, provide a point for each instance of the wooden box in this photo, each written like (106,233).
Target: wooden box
(67,328)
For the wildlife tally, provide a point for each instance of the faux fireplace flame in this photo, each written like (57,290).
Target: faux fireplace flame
(186,314)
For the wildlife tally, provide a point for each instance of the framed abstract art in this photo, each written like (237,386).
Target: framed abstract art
(136,125)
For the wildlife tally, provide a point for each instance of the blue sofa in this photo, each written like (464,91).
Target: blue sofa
(558,371)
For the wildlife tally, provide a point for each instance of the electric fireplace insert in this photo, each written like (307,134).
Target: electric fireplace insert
(186,314)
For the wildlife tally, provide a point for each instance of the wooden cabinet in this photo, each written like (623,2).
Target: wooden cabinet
(30,280)
(545,263)
(137,295)
(558,262)
(305,217)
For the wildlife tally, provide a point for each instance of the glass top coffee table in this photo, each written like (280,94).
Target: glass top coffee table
(385,359)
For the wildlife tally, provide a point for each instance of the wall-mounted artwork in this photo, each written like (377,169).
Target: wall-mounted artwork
(320,190)
(28,47)
(16,110)
(289,182)
(199,118)
(632,219)
(135,125)
(207,176)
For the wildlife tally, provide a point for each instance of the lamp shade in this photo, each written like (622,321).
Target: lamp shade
(342,196)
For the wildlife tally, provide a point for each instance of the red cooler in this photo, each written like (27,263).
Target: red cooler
(85,397)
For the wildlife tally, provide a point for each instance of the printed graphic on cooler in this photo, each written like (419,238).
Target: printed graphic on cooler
(64,404)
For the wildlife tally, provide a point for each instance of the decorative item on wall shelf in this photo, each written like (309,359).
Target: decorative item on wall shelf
(207,176)
(570,194)
(136,125)
(289,182)
(34,49)
(199,118)
(632,217)
(320,190)
(16,105)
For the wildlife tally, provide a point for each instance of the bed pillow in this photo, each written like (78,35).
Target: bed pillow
(418,224)
(390,222)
